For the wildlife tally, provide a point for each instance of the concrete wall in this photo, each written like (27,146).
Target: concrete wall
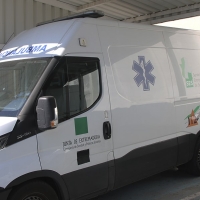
(19,15)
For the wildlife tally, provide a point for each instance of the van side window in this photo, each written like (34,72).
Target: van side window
(84,83)
(75,84)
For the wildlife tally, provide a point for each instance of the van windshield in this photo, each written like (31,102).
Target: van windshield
(17,80)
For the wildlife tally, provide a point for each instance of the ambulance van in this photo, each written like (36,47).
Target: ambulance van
(89,105)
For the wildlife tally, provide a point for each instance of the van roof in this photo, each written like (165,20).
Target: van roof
(122,24)
(45,40)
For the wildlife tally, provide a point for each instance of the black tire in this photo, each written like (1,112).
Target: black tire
(194,165)
(35,190)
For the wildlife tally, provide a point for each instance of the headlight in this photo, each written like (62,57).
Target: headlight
(3,141)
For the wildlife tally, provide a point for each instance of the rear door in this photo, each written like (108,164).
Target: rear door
(78,148)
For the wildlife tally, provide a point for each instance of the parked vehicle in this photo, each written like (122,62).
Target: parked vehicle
(89,105)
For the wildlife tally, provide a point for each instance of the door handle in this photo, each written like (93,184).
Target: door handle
(106,130)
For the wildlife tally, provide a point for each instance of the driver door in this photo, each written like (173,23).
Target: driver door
(78,148)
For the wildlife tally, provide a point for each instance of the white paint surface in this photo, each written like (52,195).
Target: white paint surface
(18,159)
(7,124)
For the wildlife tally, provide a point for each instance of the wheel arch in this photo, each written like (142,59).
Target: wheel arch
(193,142)
(51,177)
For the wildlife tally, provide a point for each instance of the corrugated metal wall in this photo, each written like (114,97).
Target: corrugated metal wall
(19,15)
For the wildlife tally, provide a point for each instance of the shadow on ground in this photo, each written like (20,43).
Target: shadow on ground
(169,185)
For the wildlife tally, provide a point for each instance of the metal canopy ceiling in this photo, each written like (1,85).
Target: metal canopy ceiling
(142,11)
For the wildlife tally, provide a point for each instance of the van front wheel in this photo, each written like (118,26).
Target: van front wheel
(36,190)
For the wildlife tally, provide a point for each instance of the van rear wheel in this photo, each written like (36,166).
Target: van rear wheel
(194,165)
(36,190)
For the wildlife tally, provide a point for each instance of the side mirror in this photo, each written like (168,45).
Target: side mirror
(47,113)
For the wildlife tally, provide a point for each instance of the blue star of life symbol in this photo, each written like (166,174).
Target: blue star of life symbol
(143,71)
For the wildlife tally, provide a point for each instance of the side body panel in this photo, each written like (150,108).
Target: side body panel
(142,102)
(183,55)
(18,159)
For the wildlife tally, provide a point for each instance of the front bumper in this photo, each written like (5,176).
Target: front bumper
(4,194)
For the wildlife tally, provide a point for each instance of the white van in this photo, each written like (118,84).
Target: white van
(89,105)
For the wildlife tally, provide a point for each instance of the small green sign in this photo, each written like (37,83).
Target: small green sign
(81,125)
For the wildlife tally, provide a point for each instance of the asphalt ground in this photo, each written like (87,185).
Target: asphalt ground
(169,185)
